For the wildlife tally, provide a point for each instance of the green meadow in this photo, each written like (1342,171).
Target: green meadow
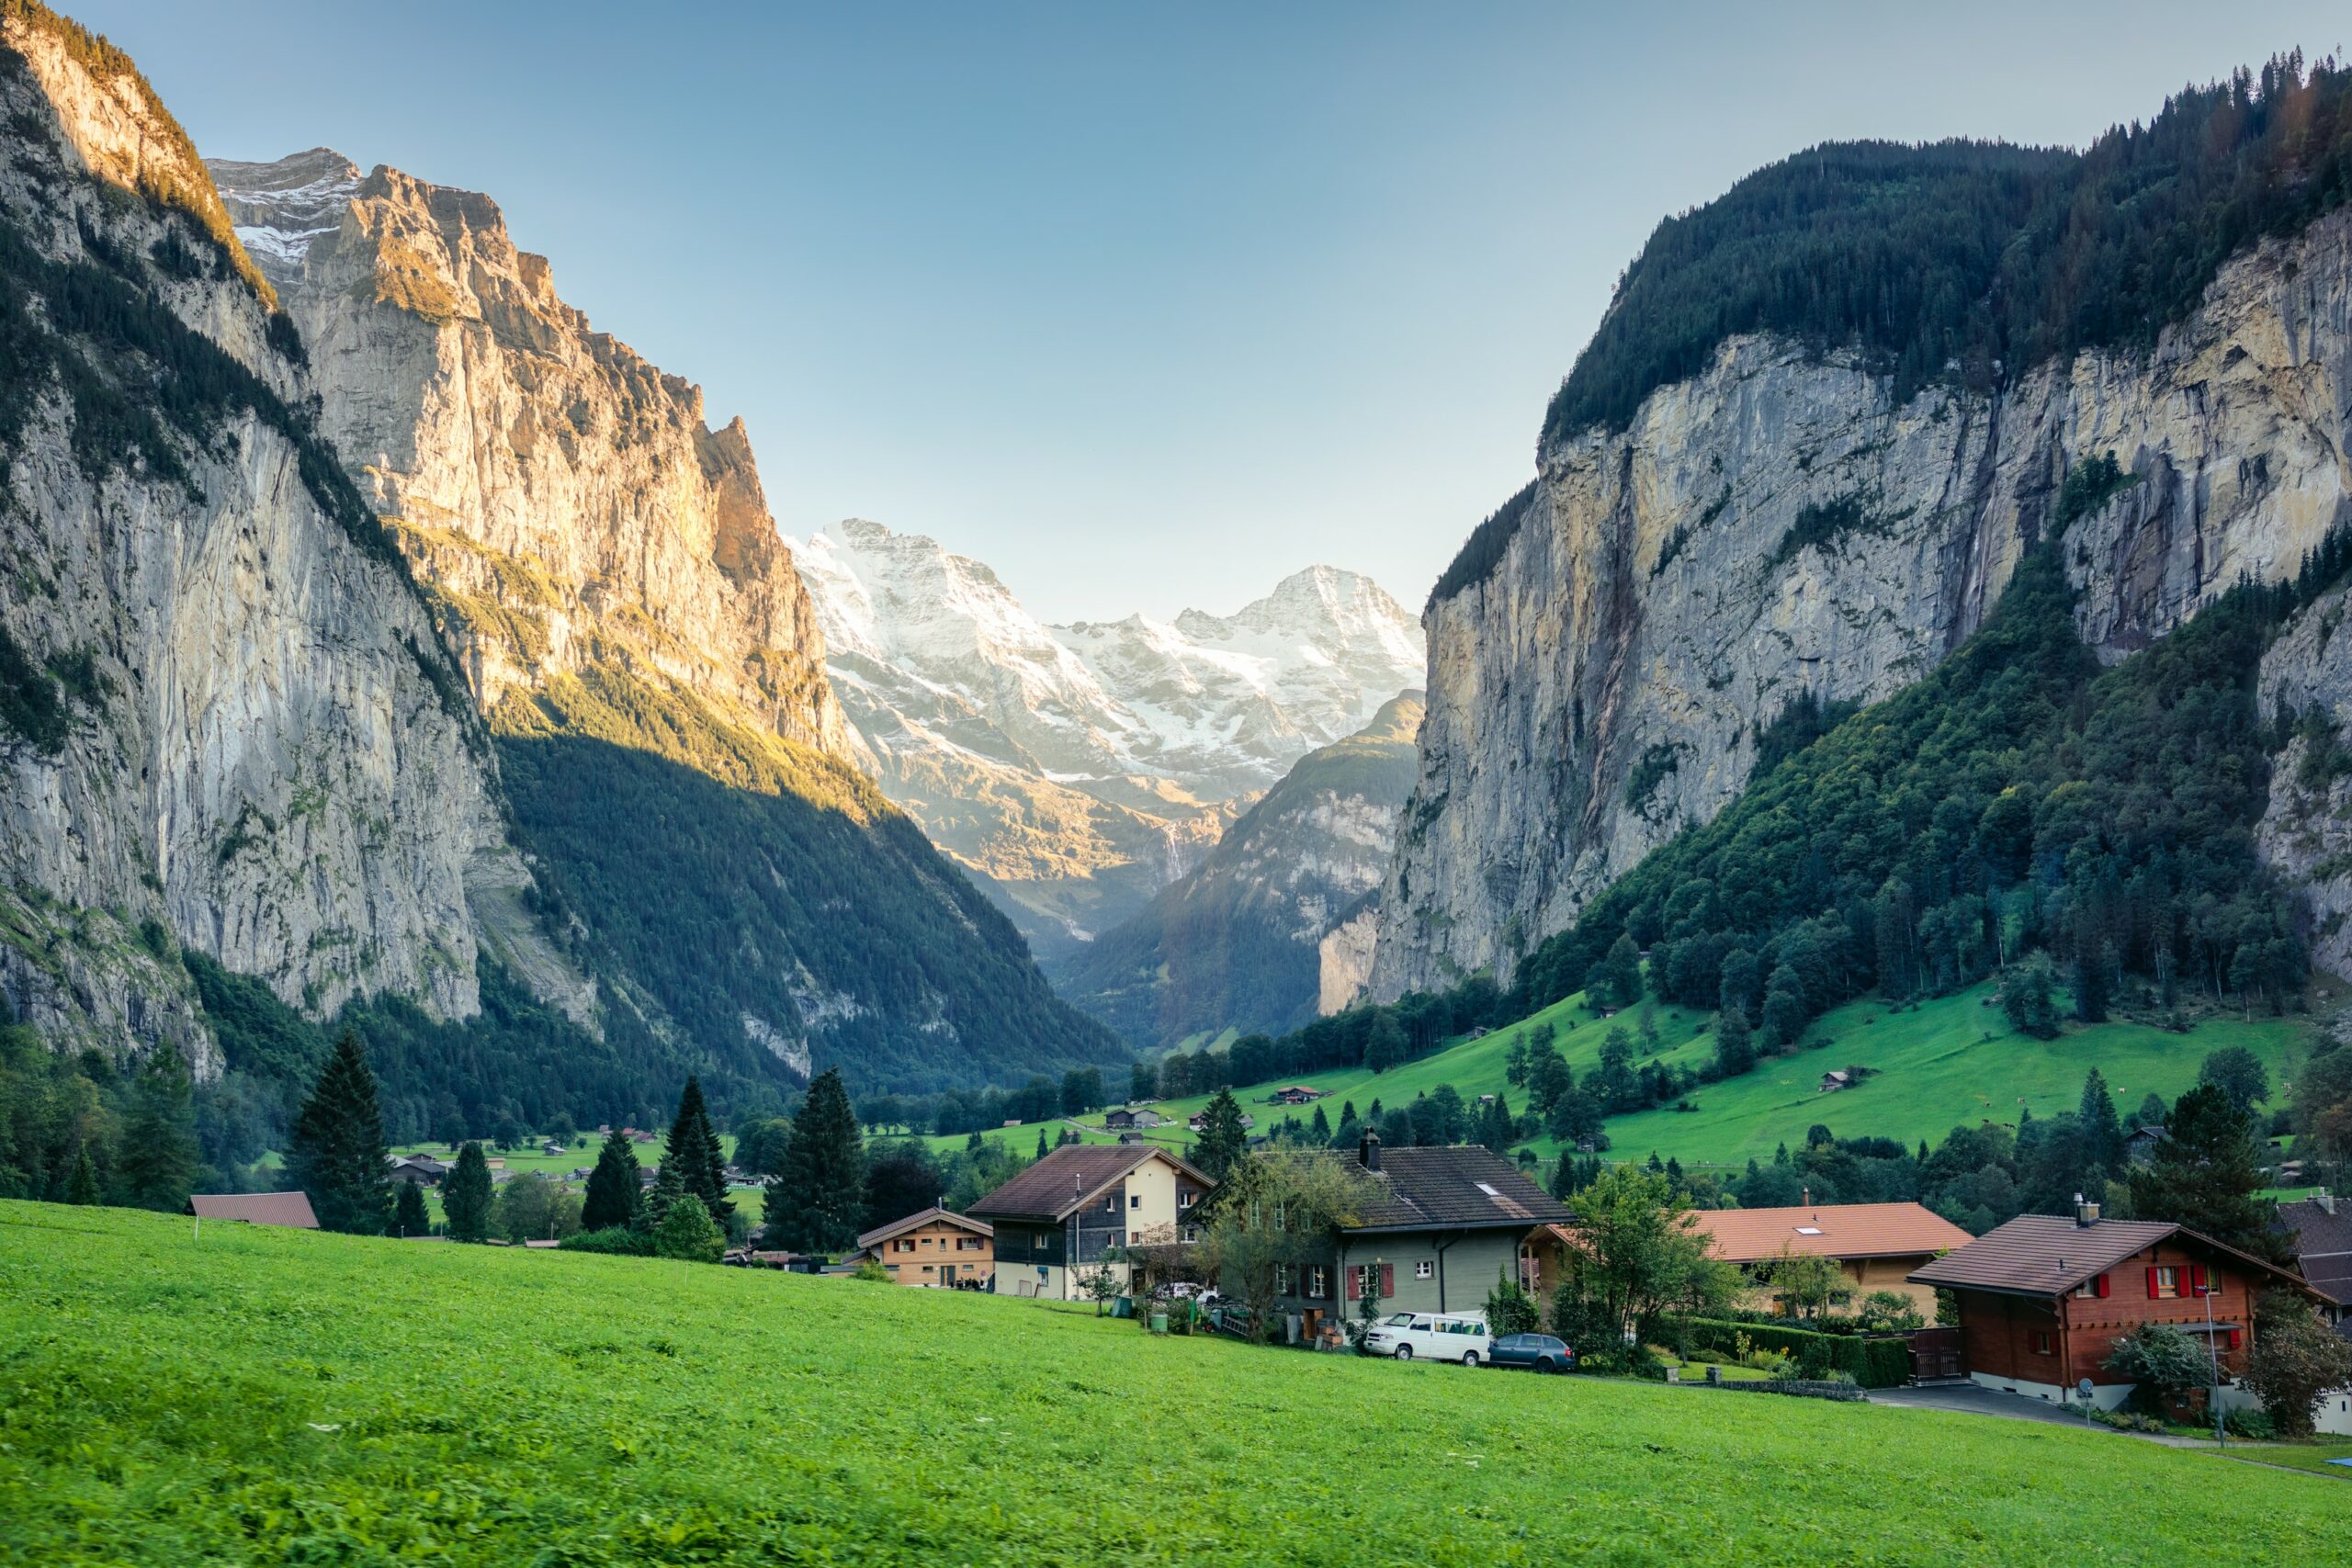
(281,1396)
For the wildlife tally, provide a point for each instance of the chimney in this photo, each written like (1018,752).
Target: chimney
(2085,1211)
(1368,1151)
(2326,1201)
(1809,1197)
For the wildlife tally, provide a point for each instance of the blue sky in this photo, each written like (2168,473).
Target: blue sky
(1145,305)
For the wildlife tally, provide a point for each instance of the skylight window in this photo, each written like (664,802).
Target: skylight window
(1808,1230)
(1489,1191)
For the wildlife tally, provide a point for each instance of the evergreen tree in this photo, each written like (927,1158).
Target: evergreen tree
(667,1189)
(1042,1149)
(614,1186)
(84,1187)
(1224,1140)
(694,1147)
(409,1216)
(819,1202)
(1734,1051)
(465,1196)
(336,1151)
(1320,1127)
(2100,1129)
(2204,1174)
(159,1158)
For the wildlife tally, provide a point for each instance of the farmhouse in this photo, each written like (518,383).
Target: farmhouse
(935,1247)
(1296,1094)
(1199,1121)
(1057,1221)
(2043,1299)
(1133,1119)
(289,1209)
(2140,1143)
(1875,1246)
(1442,1226)
(419,1170)
(2323,1243)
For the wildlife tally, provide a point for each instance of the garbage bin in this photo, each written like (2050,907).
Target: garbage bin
(1159,1321)
(1123,1306)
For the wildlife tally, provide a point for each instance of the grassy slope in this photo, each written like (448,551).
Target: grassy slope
(275,1395)
(1937,1072)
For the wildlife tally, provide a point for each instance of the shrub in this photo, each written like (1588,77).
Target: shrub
(872,1271)
(1873,1363)
(2254,1426)
(688,1232)
(619,1240)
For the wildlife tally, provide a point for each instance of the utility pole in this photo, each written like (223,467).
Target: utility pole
(2213,1353)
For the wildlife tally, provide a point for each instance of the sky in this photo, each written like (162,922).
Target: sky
(1146,306)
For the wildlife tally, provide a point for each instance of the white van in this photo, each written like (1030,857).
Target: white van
(1435,1335)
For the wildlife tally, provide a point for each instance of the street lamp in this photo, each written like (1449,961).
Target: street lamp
(2213,1354)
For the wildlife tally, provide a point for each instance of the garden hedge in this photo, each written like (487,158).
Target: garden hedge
(1873,1363)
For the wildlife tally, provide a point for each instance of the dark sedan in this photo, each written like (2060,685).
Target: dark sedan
(1534,1352)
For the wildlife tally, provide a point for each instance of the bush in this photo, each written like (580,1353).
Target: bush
(1873,1363)
(2254,1426)
(872,1272)
(619,1240)
(688,1232)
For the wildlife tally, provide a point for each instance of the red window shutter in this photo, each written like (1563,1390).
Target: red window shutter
(2237,1338)
(1355,1285)
(2201,1278)
(2151,1282)
(1387,1280)
(2102,1287)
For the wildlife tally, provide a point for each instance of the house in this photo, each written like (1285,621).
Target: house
(1057,1221)
(1439,1226)
(419,1170)
(550,1148)
(1836,1080)
(1296,1094)
(935,1247)
(2043,1299)
(2323,1243)
(636,1137)
(1133,1121)
(1199,1121)
(790,1262)
(2141,1144)
(1875,1246)
(289,1209)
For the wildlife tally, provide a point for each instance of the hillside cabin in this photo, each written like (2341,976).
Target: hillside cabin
(1133,1119)
(1296,1094)
(291,1209)
(1836,1080)
(2043,1299)
(2141,1144)
(1058,1221)
(1441,1227)
(1875,1246)
(419,1170)
(1199,1121)
(935,1248)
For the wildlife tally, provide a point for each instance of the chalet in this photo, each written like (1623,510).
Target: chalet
(1836,1080)
(419,1170)
(2322,1242)
(550,1148)
(935,1247)
(1199,1121)
(2141,1144)
(289,1209)
(1133,1119)
(1442,1224)
(1062,1219)
(1875,1246)
(1296,1094)
(2043,1299)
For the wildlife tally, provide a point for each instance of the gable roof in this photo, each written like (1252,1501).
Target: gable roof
(1830,1230)
(880,1233)
(2322,1246)
(1463,1188)
(256,1208)
(2048,1255)
(1070,1175)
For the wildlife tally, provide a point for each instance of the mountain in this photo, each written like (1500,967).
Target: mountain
(1238,941)
(633,628)
(1779,485)
(1077,769)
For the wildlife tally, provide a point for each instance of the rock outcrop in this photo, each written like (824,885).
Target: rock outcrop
(226,718)
(1781,525)
(565,500)
(2306,833)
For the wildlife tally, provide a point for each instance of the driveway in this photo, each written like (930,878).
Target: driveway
(1975,1399)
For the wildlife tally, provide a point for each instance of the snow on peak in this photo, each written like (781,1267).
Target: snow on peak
(278,208)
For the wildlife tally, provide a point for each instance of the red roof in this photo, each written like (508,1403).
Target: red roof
(256,1208)
(1830,1230)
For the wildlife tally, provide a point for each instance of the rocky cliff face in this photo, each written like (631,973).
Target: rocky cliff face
(222,714)
(1238,941)
(564,500)
(1779,525)
(2306,832)
(1080,768)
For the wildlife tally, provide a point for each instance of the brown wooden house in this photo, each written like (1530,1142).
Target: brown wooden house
(2043,1299)
(936,1247)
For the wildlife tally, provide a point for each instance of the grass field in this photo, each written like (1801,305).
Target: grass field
(1935,1070)
(269,1395)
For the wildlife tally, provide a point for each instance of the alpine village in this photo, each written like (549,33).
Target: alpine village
(544,1019)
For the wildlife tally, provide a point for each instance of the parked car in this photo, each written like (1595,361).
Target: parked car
(1535,1352)
(1440,1336)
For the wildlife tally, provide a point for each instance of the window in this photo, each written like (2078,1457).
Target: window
(1184,1198)
(1190,1232)
(1488,1191)
(1808,1230)
(1135,1202)
(1425,1270)
(2092,1289)
(1110,1205)
(1318,1281)
(1281,1279)
(2164,1281)
(2045,1342)
(904,1244)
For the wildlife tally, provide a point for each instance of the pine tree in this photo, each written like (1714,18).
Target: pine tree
(662,1196)
(817,1205)
(1042,1150)
(465,1196)
(1320,1127)
(158,1153)
(409,1216)
(83,1189)
(614,1186)
(1224,1139)
(336,1152)
(2205,1172)
(2100,1129)
(694,1147)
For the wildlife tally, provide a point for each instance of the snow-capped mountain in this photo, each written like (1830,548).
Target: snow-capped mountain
(1080,768)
